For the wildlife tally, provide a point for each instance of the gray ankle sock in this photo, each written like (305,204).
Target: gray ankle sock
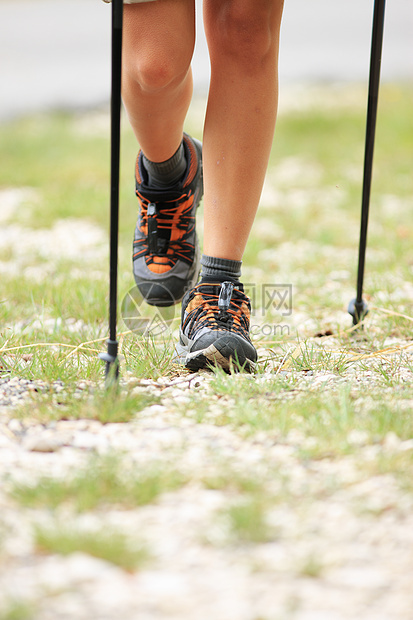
(166,173)
(220,269)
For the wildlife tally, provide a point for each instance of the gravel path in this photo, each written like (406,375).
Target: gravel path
(341,546)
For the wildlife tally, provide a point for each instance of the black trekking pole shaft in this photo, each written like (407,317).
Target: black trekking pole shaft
(117,11)
(112,366)
(358,308)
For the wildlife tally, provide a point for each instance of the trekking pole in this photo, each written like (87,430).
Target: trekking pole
(358,307)
(111,356)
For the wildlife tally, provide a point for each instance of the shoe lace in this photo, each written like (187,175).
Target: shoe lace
(168,227)
(228,310)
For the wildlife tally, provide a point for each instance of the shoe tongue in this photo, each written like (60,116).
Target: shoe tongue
(163,199)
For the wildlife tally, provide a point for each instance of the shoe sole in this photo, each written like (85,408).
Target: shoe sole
(148,288)
(219,354)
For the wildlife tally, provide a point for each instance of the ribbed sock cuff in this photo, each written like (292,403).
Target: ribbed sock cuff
(166,173)
(220,269)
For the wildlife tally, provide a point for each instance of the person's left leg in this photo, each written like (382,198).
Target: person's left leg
(243,40)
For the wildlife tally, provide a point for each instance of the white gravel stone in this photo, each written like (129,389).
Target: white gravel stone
(90,441)
(41,443)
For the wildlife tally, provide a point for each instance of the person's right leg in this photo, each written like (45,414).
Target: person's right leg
(158,43)
(159,39)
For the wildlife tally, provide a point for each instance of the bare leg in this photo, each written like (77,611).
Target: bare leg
(158,45)
(243,40)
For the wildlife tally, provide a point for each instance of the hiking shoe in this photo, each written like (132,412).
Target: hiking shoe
(215,328)
(166,255)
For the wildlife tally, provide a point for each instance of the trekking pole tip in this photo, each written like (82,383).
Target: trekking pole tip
(112,363)
(358,310)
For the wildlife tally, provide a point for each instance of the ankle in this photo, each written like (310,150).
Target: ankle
(216,269)
(166,173)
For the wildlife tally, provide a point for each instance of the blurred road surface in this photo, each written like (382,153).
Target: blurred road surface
(56,53)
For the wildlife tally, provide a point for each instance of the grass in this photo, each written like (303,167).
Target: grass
(227,478)
(311,567)
(58,402)
(398,464)
(249,496)
(105,544)
(17,610)
(276,403)
(105,481)
(247,521)
(315,170)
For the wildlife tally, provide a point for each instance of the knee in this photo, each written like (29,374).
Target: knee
(154,73)
(246,30)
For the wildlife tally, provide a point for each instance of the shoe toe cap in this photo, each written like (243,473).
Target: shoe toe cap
(167,293)
(228,344)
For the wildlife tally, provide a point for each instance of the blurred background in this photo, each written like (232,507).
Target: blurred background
(55,54)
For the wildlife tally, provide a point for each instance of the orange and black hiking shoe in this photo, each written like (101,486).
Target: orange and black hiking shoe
(215,328)
(166,255)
